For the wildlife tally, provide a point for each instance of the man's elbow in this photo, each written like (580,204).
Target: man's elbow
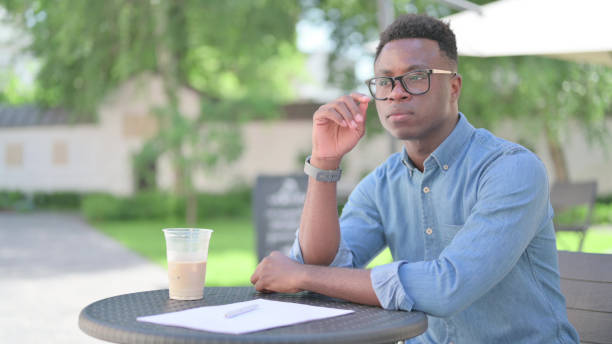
(446,307)
(442,311)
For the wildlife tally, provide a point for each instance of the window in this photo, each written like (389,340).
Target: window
(14,154)
(60,153)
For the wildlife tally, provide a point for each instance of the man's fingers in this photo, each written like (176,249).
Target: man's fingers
(363,101)
(344,109)
(259,287)
(360,97)
(329,112)
(363,109)
(351,104)
(255,275)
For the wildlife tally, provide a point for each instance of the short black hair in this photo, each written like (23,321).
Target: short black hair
(420,26)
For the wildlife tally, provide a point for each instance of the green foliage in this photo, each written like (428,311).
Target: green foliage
(224,49)
(148,204)
(86,48)
(9,199)
(543,94)
(575,215)
(144,205)
(14,92)
(239,56)
(60,200)
(66,200)
(234,203)
(602,214)
(97,207)
(604,198)
(163,206)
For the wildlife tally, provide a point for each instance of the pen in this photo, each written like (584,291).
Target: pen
(239,311)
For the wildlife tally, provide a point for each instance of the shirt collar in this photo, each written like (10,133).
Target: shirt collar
(407,162)
(449,149)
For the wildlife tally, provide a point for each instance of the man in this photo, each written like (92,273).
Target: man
(466,215)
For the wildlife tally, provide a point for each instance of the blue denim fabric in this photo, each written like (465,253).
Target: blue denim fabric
(471,237)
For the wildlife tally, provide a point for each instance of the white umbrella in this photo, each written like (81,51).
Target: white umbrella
(566,29)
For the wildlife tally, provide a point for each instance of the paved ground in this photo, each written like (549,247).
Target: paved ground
(51,266)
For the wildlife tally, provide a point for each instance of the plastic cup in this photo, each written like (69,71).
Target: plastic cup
(187,253)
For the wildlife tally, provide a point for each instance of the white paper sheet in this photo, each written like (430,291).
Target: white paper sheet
(268,314)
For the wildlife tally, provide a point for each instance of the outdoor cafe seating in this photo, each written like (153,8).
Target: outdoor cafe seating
(586,283)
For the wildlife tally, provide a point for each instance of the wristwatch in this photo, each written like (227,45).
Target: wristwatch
(329,176)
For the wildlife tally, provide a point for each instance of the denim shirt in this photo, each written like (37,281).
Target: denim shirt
(471,237)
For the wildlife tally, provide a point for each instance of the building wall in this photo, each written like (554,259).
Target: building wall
(278,148)
(275,148)
(95,157)
(84,166)
(98,157)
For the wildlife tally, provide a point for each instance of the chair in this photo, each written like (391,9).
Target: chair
(566,196)
(586,283)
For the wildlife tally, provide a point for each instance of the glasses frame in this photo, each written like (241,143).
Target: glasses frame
(400,79)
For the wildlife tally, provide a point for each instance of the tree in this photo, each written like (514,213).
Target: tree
(546,94)
(239,55)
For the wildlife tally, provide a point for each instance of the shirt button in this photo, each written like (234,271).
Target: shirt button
(426,189)
(445,167)
(429,231)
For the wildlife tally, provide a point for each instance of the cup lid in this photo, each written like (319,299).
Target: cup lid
(186,232)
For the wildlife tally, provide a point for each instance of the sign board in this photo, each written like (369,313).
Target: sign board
(277,207)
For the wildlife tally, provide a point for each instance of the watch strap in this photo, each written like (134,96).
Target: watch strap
(328,176)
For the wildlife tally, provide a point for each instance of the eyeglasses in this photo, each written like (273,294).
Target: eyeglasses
(414,82)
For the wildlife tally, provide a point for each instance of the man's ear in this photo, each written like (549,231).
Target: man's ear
(456,83)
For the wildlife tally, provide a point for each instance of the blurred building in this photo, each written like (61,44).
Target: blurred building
(49,151)
(46,150)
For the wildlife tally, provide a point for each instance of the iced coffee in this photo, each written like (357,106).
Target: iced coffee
(187,253)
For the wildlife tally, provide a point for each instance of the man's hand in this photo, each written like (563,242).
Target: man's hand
(277,273)
(337,127)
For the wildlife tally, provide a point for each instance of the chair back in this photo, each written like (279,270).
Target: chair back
(586,283)
(565,195)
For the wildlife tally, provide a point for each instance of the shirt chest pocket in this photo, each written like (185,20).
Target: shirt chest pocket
(447,233)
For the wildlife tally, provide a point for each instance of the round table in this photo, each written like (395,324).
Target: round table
(114,320)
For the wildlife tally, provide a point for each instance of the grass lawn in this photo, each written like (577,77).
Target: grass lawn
(232,258)
(598,240)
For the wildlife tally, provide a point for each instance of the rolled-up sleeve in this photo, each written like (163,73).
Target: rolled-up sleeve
(388,287)
(344,257)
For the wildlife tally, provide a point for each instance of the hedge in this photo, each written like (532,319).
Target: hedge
(161,205)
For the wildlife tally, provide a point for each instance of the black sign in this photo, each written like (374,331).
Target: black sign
(277,206)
